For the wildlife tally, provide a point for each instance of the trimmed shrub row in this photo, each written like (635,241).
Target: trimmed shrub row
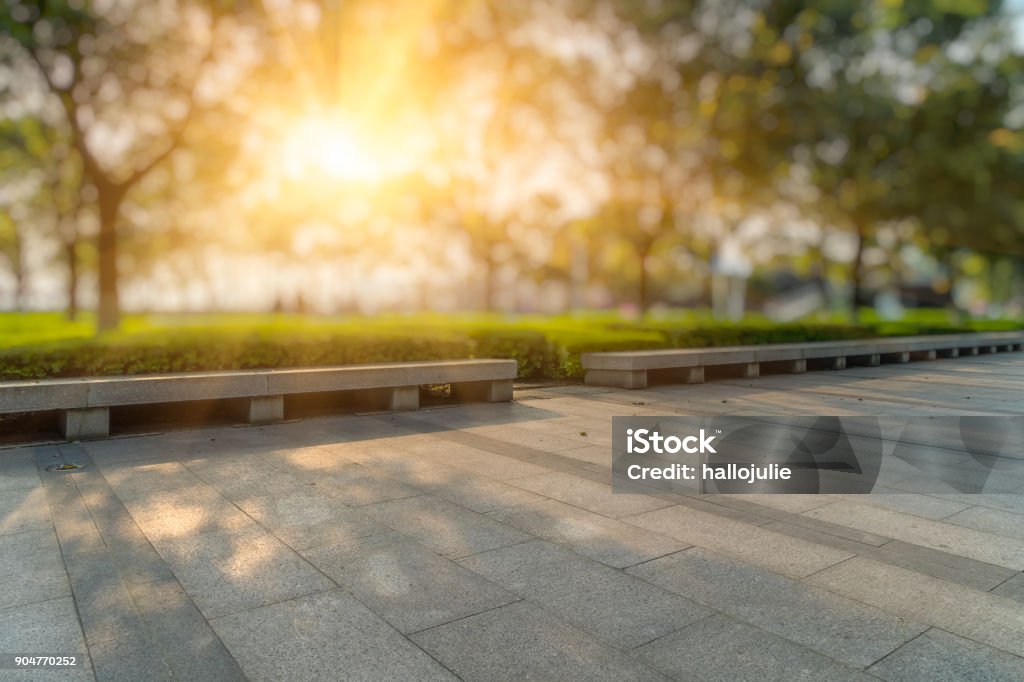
(542,352)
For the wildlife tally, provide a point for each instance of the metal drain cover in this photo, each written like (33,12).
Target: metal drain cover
(69,466)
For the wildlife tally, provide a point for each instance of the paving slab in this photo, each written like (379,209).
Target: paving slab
(765,548)
(981,616)
(1010,502)
(474,492)
(721,649)
(588,494)
(307,518)
(31,568)
(129,658)
(45,627)
(104,604)
(532,438)
(796,504)
(238,480)
(408,585)
(951,538)
(132,480)
(184,512)
(925,506)
(618,608)
(175,627)
(23,509)
(586,431)
(443,526)
(968,572)
(484,463)
(315,463)
(225,572)
(326,636)
(838,627)
(609,541)
(921,559)
(18,468)
(126,545)
(950,479)
(1012,588)
(592,454)
(522,642)
(990,521)
(939,655)
(357,492)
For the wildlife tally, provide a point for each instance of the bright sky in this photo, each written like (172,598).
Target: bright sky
(1016,9)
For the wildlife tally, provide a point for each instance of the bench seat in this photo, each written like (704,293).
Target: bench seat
(83,404)
(629,369)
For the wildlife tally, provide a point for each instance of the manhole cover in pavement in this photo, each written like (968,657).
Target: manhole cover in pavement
(70,466)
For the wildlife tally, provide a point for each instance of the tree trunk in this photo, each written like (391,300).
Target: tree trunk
(20,286)
(109,315)
(710,258)
(579,273)
(820,273)
(20,276)
(490,291)
(71,254)
(949,262)
(855,278)
(644,251)
(1017,286)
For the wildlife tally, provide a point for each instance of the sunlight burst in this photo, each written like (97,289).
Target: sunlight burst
(331,147)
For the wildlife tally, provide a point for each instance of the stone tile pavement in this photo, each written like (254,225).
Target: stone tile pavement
(482,542)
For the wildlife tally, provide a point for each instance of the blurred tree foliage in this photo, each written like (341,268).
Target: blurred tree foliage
(677,120)
(131,79)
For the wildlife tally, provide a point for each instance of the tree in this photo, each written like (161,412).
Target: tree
(884,116)
(859,113)
(495,97)
(130,79)
(39,151)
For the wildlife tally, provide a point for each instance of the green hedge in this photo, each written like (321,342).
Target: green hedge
(544,348)
(196,352)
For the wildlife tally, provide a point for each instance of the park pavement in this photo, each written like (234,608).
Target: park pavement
(483,542)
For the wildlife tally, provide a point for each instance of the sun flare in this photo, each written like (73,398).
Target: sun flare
(323,146)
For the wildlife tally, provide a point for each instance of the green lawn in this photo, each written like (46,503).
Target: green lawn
(37,345)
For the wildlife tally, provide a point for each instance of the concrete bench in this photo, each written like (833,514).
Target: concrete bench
(629,369)
(83,405)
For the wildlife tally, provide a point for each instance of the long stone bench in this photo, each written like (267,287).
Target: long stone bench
(630,369)
(83,405)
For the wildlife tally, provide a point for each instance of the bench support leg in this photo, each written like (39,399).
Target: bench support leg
(91,422)
(971,351)
(750,370)
(693,375)
(617,378)
(798,367)
(923,355)
(497,391)
(949,352)
(404,398)
(263,409)
(838,363)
